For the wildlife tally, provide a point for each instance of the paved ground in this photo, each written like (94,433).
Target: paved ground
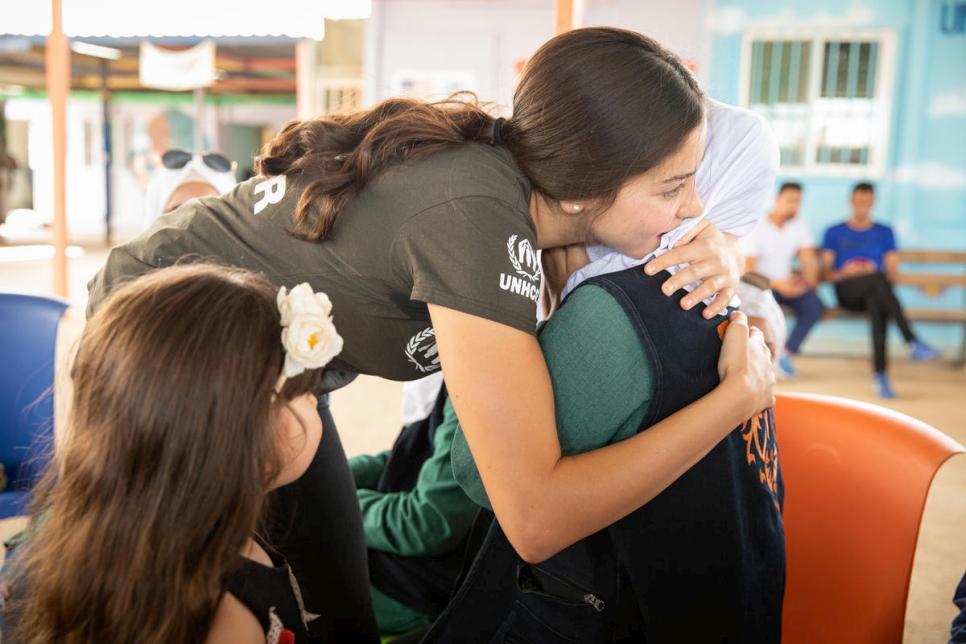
(367,414)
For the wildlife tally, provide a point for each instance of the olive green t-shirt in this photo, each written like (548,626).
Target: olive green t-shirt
(453,230)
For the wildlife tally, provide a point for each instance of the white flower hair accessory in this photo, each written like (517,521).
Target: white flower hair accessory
(308,333)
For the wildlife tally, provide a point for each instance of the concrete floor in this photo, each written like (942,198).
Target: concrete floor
(367,414)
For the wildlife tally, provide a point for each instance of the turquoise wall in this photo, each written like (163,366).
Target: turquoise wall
(922,192)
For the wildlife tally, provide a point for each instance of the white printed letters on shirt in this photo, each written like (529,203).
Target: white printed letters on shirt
(526,265)
(273,189)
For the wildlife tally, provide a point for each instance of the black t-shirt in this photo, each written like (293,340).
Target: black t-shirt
(273,596)
(453,230)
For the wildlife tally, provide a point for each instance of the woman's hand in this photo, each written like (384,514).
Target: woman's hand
(746,361)
(714,257)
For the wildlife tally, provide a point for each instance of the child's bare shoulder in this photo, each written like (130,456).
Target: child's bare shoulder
(234,624)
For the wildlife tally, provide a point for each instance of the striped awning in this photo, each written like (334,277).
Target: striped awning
(180,18)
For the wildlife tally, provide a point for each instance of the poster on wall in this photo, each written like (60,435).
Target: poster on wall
(432,83)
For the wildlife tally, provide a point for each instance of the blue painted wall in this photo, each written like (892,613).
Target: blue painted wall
(922,192)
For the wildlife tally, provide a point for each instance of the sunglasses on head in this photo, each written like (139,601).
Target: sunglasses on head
(176,159)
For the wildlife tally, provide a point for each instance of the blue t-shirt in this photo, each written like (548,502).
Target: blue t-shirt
(851,245)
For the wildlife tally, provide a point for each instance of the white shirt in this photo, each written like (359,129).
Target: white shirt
(774,248)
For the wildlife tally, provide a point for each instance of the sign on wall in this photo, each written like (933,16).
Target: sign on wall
(432,83)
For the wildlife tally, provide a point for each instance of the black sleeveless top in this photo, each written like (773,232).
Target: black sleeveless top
(706,557)
(702,562)
(273,596)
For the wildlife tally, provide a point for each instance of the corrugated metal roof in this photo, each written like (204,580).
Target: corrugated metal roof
(246,65)
(179,18)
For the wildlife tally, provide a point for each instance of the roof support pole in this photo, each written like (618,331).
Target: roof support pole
(108,148)
(198,140)
(304,75)
(567,15)
(58,88)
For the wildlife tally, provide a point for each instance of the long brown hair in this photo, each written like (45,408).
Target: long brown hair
(593,108)
(171,449)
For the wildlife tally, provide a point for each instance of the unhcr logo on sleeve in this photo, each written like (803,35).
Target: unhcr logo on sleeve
(525,263)
(422,351)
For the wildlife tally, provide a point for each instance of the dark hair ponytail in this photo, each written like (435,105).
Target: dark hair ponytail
(345,152)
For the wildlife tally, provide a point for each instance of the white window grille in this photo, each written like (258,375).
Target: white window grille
(339,96)
(827,97)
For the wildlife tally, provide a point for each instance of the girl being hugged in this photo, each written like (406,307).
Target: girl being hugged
(193,397)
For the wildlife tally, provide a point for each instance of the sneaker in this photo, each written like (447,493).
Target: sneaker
(880,382)
(921,351)
(785,367)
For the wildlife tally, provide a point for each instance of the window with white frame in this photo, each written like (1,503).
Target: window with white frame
(827,98)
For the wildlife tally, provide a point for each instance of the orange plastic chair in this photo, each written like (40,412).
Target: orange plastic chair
(856,479)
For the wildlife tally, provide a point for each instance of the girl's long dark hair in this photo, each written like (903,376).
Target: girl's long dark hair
(171,448)
(593,108)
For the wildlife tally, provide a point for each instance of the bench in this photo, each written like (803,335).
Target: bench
(935,273)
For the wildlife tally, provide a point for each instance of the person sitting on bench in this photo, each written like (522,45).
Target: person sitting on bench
(859,257)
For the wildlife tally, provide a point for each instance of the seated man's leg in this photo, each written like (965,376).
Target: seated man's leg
(879,317)
(808,311)
(918,350)
(853,293)
(881,289)
(863,293)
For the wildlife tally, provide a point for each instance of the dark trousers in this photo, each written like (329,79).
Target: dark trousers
(873,293)
(808,310)
(316,523)
(579,595)
(424,583)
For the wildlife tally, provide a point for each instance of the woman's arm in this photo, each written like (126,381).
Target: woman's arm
(500,387)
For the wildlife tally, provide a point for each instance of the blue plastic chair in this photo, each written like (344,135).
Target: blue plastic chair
(28,334)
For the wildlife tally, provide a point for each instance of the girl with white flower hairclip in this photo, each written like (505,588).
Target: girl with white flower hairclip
(152,508)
